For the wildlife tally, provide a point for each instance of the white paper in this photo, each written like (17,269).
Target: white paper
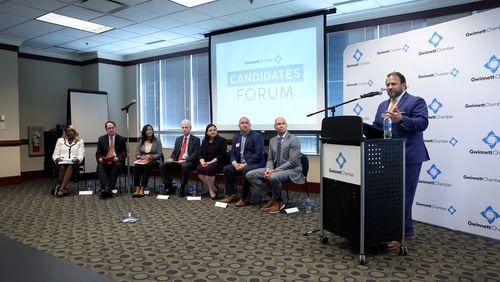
(193,198)
(221,205)
(162,197)
(292,210)
(84,192)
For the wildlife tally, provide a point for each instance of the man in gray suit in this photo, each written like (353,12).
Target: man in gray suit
(283,164)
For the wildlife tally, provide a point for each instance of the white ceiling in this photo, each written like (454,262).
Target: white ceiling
(143,26)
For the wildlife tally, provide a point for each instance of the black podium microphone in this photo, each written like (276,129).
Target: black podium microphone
(128,105)
(370,94)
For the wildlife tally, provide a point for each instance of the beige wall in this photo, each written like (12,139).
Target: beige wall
(9,106)
(43,88)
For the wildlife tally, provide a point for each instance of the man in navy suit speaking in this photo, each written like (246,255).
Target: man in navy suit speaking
(409,120)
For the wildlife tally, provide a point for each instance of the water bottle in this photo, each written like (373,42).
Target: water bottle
(192,190)
(387,127)
(308,205)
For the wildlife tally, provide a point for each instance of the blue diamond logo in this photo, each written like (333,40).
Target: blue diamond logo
(493,64)
(454,72)
(278,59)
(490,214)
(406,47)
(434,172)
(341,160)
(491,139)
(358,109)
(435,39)
(357,55)
(370,82)
(452,210)
(435,105)
(453,141)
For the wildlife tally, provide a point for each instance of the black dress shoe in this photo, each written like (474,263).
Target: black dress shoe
(106,194)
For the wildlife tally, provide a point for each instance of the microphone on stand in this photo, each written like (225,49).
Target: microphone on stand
(128,105)
(370,94)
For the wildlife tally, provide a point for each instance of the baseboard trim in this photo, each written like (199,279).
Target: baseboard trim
(11,180)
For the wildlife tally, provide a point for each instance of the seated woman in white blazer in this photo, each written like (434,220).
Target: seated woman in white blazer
(68,153)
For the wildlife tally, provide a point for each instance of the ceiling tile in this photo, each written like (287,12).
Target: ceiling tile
(20,10)
(135,15)
(164,22)
(141,29)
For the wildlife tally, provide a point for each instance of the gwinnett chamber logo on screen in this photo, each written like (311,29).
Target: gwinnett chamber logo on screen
(454,72)
(452,141)
(489,220)
(435,106)
(434,172)
(435,40)
(357,109)
(386,51)
(490,70)
(451,210)
(488,146)
(358,54)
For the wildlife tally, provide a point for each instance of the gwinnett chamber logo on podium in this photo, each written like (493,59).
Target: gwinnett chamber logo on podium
(341,160)
(434,172)
(489,216)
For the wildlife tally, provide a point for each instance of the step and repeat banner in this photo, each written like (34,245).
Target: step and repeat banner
(454,66)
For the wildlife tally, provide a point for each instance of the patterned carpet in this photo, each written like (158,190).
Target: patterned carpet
(180,240)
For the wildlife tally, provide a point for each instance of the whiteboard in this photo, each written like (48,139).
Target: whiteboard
(87,111)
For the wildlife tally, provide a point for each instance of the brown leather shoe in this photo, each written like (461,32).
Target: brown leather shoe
(230,199)
(241,203)
(277,207)
(267,205)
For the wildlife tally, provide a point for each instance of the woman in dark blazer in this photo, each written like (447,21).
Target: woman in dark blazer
(148,156)
(212,159)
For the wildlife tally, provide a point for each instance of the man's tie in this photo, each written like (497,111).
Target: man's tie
(183,148)
(393,104)
(278,152)
(111,151)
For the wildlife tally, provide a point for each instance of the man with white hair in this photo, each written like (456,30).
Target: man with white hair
(184,158)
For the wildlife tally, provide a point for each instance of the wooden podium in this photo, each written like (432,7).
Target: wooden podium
(362,183)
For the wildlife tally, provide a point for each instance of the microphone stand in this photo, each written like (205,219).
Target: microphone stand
(332,108)
(128,183)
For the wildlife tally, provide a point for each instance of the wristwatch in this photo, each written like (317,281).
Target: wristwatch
(402,120)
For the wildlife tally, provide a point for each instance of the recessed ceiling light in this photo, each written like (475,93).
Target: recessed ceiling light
(191,3)
(73,23)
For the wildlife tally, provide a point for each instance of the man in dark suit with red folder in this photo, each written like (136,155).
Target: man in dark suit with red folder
(110,155)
